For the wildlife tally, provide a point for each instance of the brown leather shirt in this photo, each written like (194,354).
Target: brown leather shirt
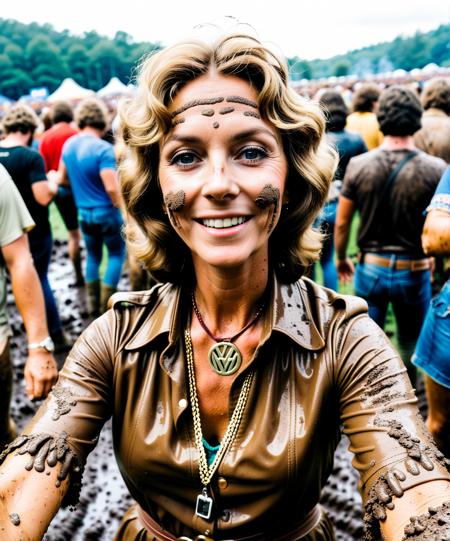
(321,363)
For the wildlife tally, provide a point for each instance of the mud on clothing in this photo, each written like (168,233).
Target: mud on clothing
(398,226)
(321,363)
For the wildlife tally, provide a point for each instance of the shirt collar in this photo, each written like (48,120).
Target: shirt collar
(293,312)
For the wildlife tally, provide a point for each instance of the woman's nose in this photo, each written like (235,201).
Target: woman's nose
(219,182)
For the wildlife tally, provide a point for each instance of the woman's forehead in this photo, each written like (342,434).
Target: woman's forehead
(213,88)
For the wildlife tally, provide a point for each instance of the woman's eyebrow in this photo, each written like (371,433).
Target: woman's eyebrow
(193,139)
(254,131)
(189,139)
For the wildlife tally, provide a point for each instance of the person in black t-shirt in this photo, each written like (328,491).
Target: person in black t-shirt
(27,170)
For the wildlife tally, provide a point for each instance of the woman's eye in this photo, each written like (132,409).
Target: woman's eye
(253,154)
(184,159)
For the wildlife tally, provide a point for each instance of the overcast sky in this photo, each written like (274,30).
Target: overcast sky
(306,28)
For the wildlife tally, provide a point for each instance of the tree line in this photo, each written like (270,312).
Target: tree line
(33,55)
(402,53)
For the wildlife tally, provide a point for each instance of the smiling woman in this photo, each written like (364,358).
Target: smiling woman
(228,382)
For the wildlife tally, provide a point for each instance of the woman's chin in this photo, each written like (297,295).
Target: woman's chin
(230,258)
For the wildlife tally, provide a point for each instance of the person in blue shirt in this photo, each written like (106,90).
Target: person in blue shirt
(89,163)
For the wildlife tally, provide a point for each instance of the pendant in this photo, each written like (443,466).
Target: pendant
(225,358)
(204,505)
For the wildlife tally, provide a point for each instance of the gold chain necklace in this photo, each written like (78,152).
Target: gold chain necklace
(203,507)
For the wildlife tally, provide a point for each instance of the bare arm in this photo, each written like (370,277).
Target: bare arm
(44,191)
(60,177)
(111,184)
(436,233)
(30,497)
(345,211)
(40,370)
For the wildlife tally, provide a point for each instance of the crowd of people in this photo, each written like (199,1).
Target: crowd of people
(228,380)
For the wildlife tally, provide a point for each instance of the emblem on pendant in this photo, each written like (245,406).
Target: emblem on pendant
(224,358)
(204,506)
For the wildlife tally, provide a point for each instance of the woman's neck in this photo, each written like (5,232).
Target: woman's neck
(228,299)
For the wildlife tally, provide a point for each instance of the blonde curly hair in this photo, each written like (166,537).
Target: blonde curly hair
(145,119)
(20,118)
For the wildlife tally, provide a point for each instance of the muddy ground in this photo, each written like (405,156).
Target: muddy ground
(104,497)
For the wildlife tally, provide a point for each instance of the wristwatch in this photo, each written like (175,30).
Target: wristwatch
(47,344)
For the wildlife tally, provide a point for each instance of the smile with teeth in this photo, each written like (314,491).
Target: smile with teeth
(221,223)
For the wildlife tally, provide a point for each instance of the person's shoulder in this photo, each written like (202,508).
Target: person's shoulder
(431,161)
(331,302)
(360,161)
(72,142)
(141,300)
(102,144)
(26,154)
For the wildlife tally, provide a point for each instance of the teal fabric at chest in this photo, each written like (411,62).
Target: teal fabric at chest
(211,451)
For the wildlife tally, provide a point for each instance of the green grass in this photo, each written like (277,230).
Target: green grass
(58,228)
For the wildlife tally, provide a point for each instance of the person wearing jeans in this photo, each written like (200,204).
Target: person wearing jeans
(100,226)
(27,170)
(89,164)
(347,145)
(432,352)
(391,187)
(408,290)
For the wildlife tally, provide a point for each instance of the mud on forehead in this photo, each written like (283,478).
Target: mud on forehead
(225,108)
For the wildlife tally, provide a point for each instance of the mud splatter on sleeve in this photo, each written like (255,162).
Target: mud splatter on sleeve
(393,450)
(46,451)
(430,526)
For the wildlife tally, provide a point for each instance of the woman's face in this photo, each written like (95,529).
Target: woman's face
(222,172)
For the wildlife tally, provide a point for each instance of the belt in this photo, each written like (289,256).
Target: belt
(393,263)
(300,529)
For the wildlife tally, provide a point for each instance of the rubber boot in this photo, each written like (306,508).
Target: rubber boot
(93,298)
(76,262)
(105,294)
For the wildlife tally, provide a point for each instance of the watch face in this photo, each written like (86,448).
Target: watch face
(48,344)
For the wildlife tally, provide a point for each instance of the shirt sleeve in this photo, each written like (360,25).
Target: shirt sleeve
(393,450)
(15,220)
(348,185)
(37,168)
(107,158)
(441,198)
(66,427)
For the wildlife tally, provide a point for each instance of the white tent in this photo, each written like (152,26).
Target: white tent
(115,87)
(70,90)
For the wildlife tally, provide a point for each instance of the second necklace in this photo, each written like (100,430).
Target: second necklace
(224,356)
